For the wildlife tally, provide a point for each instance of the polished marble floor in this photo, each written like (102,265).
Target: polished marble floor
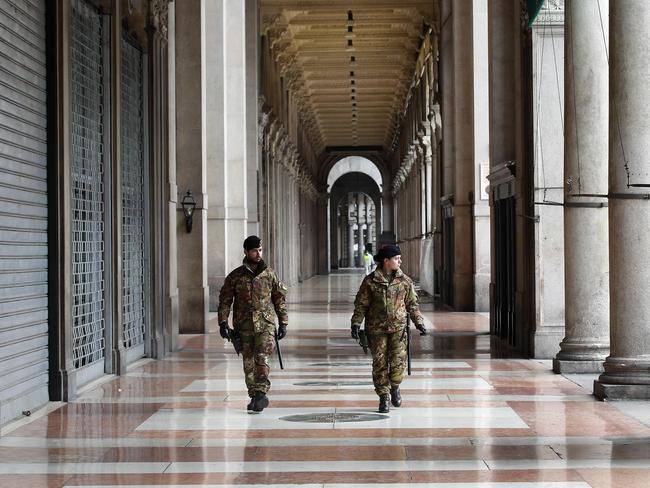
(469,419)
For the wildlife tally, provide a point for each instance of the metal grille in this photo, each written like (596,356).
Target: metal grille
(133,203)
(87,185)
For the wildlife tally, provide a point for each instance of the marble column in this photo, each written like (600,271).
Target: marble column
(627,369)
(586,268)
(387,220)
(253,154)
(190,170)
(350,246)
(463,106)
(225,136)
(361,219)
(481,210)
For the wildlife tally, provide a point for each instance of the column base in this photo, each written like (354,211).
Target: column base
(568,366)
(625,378)
(610,391)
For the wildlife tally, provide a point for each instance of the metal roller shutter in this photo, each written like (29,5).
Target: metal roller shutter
(134,268)
(88,192)
(23,209)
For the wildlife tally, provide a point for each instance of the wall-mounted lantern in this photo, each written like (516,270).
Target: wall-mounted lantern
(189,204)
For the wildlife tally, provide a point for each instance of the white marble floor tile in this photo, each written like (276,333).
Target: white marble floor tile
(229,419)
(324,466)
(441,418)
(516,464)
(273,418)
(472,383)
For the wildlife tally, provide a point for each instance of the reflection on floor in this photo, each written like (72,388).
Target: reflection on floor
(468,419)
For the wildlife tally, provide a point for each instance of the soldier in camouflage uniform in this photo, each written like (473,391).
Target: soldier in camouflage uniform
(384,298)
(259,296)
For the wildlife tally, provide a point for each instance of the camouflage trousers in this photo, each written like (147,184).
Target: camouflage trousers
(388,360)
(256,349)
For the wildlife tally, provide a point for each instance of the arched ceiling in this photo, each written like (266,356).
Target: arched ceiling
(350,63)
(353,164)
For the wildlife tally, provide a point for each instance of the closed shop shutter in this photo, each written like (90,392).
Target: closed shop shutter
(134,266)
(23,209)
(88,192)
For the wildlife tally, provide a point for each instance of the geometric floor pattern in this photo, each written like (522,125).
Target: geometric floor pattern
(470,419)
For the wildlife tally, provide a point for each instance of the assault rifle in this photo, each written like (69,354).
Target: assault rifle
(363,340)
(235,338)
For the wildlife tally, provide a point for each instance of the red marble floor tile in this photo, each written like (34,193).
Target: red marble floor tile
(33,481)
(50,455)
(327,477)
(83,425)
(616,478)
(577,419)
(256,453)
(632,450)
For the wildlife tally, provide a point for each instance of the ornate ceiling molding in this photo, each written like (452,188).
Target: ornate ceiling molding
(160,17)
(274,139)
(349,65)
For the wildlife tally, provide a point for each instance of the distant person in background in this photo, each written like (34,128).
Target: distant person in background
(367,259)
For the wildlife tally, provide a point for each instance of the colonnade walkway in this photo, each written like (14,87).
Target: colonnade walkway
(467,419)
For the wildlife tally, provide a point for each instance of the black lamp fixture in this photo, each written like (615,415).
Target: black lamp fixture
(189,204)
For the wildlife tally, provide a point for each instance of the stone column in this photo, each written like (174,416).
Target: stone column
(463,156)
(225,136)
(387,220)
(586,268)
(627,369)
(190,170)
(350,245)
(481,210)
(323,244)
(361,219)
(171,193)
(253,155)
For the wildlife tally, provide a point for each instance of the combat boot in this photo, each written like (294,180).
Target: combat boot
(249,407)
(260,401)
(383,403)
(395,396)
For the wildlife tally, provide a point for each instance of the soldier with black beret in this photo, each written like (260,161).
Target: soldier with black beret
(259,296)
(384,299)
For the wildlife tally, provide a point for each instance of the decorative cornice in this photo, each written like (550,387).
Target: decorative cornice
(552,13)
(279,148)
(285,53)
(160,17)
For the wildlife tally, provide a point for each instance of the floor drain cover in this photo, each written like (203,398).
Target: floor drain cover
(334,383)
(328,418)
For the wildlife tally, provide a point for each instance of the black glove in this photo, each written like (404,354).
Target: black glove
(354,332)
(421,328)
(282,331)
(224,330)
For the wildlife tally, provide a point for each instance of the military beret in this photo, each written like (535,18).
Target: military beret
(252,242)
(387,251)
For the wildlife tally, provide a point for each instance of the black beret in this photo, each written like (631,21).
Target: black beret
(252,242)
(387,251)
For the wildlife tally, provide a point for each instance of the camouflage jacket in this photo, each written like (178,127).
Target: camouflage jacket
(384,303)
(258,295)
